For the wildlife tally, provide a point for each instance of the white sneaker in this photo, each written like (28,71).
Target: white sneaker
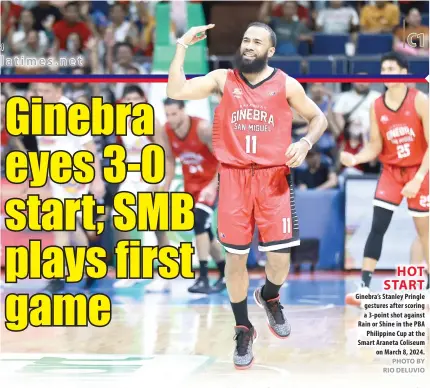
(159,285)
(352,299)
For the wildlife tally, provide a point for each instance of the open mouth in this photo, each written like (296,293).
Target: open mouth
(249,55)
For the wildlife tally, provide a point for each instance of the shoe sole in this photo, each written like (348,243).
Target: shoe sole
(199,292)
(217,291)
(244,367)
(267,320)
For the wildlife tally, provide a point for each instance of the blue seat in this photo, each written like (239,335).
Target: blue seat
(321,66)
(341,65)
(374,44)
(370,66)
(325,44)
(288,65)
(425,19)
(419,66)
(327,66)
(303,49)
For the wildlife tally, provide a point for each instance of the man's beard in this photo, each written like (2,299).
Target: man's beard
(250,66)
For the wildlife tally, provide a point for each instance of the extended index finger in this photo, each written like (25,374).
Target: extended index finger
(204,28)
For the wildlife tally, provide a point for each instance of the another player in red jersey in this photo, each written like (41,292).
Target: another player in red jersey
(188,139)
(399,136)
(252,142)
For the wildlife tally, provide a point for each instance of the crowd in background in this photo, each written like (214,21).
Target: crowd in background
(118,38)
(295,22)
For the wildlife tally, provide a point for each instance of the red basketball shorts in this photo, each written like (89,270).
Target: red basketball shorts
(391,182)
(261,197)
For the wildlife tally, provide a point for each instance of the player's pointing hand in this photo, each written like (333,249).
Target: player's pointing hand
(296,153)
(195,34)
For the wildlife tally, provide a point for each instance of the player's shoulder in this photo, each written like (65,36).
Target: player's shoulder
(420,101)
(292,85)
(418,94)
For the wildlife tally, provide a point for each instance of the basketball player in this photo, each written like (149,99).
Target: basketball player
(53,93)
(133,144)
(190,140)
(252,142)
(399,136)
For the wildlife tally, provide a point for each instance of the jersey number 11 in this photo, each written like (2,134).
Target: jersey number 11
(251,144)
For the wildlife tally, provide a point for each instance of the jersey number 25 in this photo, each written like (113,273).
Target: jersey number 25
(403,151)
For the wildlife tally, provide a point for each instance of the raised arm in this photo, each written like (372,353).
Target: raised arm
(371,150)
(178,87)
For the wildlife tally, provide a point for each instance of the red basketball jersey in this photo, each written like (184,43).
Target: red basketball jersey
(199,165)
(252,123)
(404,143)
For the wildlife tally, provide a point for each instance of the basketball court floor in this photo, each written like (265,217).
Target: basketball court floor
(182,340)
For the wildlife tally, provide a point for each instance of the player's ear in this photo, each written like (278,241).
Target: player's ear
(271,52)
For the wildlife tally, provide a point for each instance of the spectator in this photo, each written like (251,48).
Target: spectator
(317,174)
(289,30)
(414,33)
(71,24)
(275,9)
(34,52)
(123,30)
(32,47)
(146,28)
(337,19)
(323,98)
(119,60)
(74,90)
(406,6)
(10,13)
(351,117)
(18,37)
(44,12)
(75,50)
(383,16)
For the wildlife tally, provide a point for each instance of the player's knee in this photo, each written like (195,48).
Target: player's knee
(278,261)
(202,221)
(235,265)
(422,227)
(381,220)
